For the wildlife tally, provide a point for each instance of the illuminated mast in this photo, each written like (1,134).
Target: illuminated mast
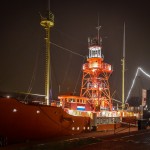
(47,22)
(123,68)
(96,73)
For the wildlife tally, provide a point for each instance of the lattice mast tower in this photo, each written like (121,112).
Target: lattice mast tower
(95,78)
(47,22)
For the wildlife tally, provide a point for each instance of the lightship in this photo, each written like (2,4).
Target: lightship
(22,121)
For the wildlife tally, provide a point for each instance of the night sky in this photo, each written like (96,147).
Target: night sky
(22,45)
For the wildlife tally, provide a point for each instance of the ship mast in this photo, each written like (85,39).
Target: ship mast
(47,22)
(123,69)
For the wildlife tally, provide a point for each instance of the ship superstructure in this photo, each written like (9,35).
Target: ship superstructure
(95,91)
(96,73)
(95,99)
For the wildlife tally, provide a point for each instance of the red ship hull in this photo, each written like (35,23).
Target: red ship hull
(20,122)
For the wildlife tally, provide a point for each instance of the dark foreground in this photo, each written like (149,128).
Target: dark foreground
(133,141)
(121,139)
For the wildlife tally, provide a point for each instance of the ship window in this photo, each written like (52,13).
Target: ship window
(95,53)
(78,128)
(78,100)
(71,100)
(99,54)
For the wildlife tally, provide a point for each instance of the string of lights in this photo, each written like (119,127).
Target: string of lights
(137,71)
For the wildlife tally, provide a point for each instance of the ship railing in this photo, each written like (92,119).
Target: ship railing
(102,66)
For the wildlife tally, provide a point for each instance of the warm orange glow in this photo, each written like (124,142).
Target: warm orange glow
(96,73)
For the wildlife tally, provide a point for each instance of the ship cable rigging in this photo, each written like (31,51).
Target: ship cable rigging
(67,69)
(33,76)
(78,79)
(133,82)
(35,68)
(68,65)
(70,38)
(72,52)
(67,49)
